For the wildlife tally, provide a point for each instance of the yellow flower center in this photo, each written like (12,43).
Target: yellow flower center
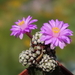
(55,29)
(21,23)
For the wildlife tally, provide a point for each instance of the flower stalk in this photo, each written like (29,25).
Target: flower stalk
(29,35)
(39,57)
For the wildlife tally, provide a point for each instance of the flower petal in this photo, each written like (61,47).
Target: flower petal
(57,23)
(21,36)
(66,32)
(66,39)
(57,42)
(64,26)
(47,26)
(52,46)
(43,38)
(32,21)
(48,41)
(61,44)
(32,26)
(60,24)
(52,23)
(28,19)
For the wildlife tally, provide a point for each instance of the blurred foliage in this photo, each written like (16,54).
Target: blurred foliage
(43,10)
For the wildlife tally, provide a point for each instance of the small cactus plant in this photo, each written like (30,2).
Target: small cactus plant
(41,56)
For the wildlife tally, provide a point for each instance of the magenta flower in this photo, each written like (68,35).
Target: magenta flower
(23,26)
(56,33)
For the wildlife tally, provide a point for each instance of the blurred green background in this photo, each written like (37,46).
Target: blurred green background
(43,10)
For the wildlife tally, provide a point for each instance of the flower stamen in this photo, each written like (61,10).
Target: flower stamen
(21,23)
(55,29)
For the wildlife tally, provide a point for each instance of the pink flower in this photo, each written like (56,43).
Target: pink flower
(56,33)
(23,26)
